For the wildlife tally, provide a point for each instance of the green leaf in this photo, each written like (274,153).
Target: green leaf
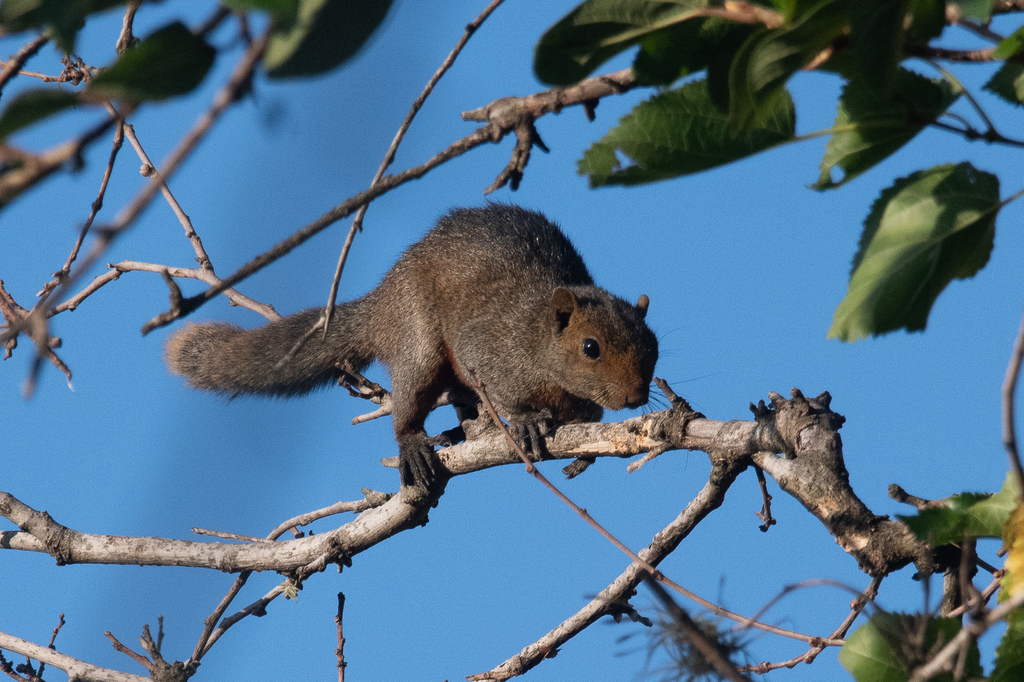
(720,63)
(975,515)
(877,651)
(927,20)
(876,28)
(924,231)
(980,10)
(769,57)
(597,30)
(990,515)
(679,50)
(1008,83)
(867,655)
(678,132)
(282,10)
(871,125)
(326,34)
(1010,45)
(170,62)
(1009,665)
(64,18)
(32,106)
(947,524)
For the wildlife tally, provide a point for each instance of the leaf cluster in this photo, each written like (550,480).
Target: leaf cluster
(723,70)
(307,38)
(890,646)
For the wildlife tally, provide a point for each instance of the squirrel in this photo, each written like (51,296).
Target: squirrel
(496,294)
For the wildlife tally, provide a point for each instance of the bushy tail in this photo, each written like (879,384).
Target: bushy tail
(227,359)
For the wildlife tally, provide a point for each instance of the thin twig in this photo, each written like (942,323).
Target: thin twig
(211,621)
(966,93)
(1008,392)
(765,515)
(984,596)
(496,113)
(372,499)
(53,638)
(970,56)
(857,606)
(97,204)
(150,171)
(258,607)
(227,536)
(972,134)
(343,210)
(700,642)
(357,222)
(127,39)
(134,655)
(13,65)
(226,96)
(27,169)
(207,276)
(943,661)
(340,651)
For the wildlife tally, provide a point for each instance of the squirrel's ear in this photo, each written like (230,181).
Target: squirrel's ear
(642,304)
(563,305)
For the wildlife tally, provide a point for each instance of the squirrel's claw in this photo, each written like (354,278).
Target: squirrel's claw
(531,429)
(418,464)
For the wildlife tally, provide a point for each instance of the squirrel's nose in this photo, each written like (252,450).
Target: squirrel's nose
(637,398)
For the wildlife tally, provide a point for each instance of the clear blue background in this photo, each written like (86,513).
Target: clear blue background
(744,266)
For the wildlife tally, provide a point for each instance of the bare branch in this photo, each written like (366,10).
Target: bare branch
(343,210)
(340,651)
(708,499)
(200,274)
(127,39)
(149,170)
(814,474)
(1009,390)
(61,275)
(389,157)
(135,656)
(232,90)
(75,669)
(13,66)
(27,169)
(502,116)
(856,608)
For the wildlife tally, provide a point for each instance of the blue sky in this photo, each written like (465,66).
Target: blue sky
(743,265)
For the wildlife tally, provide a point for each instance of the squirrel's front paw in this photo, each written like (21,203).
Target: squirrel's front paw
(531,429)
(418,465)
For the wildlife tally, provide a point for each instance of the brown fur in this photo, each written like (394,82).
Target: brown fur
(497,293)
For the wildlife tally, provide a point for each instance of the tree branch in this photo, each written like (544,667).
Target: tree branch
(811,470)
(501,115)
(75,669)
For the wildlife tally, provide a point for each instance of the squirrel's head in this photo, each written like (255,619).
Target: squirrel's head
(607,350)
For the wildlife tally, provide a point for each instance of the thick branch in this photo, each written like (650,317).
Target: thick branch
(812,470)
(75,669)
(40,533)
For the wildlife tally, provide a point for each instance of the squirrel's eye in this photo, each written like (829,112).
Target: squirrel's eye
(591,348)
